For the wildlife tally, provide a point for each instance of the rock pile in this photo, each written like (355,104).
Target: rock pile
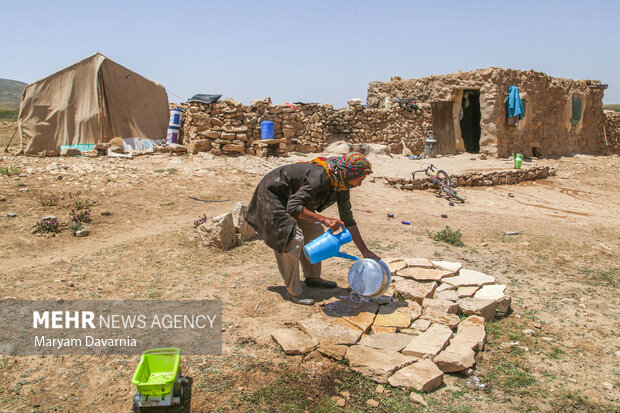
(410,342)
(229,128)
(227,230)
(508,177)
(612,130)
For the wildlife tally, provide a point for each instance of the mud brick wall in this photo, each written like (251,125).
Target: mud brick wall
(229,128)
(612,130)
(546,129)
(476,178)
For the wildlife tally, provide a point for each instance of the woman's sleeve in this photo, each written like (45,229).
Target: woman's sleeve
(308,191)
(344,209)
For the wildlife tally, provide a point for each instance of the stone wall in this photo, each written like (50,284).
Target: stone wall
(475,178)
(230,128)
(612,130)
(545,130)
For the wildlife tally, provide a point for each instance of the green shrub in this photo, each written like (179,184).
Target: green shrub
(9,171)
(447,235)
(47,226)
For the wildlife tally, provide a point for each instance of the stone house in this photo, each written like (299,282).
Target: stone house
(468,110)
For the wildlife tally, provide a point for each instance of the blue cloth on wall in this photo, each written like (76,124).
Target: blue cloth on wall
(514,106)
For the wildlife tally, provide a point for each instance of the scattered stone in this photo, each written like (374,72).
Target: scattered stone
(380,389)
(82,233)
(417,399)
(471,332)
(218,232)
(421,324)
(473,306)
(70,152)
(617,353)
(495,292)
(423,375)
(456,357)
(445,287)
(454,267)
(419,262)
(372,403)
(464,292)
(429,343)
(11,215)
(607,386)
(294,341)
(384,299)
(345,394)
(449,295)
(444,305)
(360,315)
(511,195)
(328,330)
(437,315)
(241,226)
(528,332)
(2,199)
(511,232)
(376,364)
(388,316)
(335,351)
(548,339)
(415,290)
(469,278)
(394,342)
(423,274)
(340,402)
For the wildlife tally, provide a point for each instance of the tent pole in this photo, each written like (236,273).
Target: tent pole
(6,149)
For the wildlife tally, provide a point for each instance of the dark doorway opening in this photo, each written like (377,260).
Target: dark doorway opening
(470,120)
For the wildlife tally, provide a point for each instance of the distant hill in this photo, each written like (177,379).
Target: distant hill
(11,94)
(615,107)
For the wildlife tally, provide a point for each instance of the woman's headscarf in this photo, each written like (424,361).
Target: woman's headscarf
(342,169)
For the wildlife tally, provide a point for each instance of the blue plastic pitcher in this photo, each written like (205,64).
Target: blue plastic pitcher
(328,245)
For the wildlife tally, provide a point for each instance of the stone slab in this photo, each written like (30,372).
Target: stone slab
(421,324)
(444,305)
(294,341)
(383,330)
(396,266)
(415,290)
(483,308)
(495,292)
(389,316)
(466,291)
(444,287)
(453,267)
(423,274)
(376,364)
(330,330)
(429,343)
(436,315)
(361,315)
(469,278)
(423,375)
(456,357)
(419,262)
(471,332)
(394,342)
(449,295)
(335,351)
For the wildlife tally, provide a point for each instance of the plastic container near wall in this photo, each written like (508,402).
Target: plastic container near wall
(176,116)
(266,130)
(174,135)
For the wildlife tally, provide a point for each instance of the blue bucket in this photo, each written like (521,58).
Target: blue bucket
(266,130)
(173,136)
(328,245)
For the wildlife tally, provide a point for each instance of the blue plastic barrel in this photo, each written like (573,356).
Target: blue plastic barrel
(173,135)
(266,130)
(175,117)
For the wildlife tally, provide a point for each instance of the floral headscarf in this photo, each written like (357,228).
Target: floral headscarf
(342,169)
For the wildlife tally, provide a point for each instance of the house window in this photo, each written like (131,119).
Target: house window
(577,109)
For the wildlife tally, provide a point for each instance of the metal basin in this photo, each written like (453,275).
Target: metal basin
(369,277)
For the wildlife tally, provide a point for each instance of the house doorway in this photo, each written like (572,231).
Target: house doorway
(470,120)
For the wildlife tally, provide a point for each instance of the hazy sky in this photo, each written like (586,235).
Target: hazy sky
(310,51)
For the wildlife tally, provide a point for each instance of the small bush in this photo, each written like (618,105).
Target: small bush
(9,170)
(447,235)
(80,216)
(47,226)
(81,204)
(75,227)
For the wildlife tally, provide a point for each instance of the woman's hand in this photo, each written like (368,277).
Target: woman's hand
(332,223)
(369,254)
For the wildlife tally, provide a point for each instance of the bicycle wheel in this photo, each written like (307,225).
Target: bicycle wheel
(443,177)
(452,193)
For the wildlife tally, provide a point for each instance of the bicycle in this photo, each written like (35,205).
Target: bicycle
(441,178)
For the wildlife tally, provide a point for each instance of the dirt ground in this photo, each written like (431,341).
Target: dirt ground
(562,270)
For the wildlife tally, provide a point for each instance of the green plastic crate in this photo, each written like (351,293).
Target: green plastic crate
(157,371)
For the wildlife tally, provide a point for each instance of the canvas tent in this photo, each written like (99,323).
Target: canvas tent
(90,100)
